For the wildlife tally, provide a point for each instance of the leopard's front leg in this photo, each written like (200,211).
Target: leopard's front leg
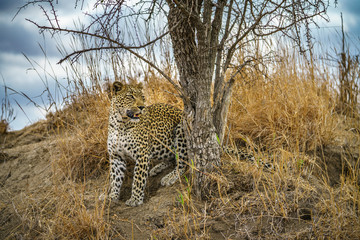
(117,173)
(139,181)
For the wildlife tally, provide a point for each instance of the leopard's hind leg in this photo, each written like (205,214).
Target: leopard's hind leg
(158,168)
(180,156)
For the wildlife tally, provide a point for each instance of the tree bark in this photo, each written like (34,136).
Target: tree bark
(221,106)
(195,72)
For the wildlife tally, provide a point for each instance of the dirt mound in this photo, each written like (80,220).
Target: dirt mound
(26,175)
(26,179)
(25,167)
(37,203)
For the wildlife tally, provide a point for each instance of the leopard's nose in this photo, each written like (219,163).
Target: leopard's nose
(141,107)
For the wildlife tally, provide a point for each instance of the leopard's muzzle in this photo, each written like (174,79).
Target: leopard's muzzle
(134,113)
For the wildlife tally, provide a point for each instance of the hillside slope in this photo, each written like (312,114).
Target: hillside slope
(28,195)
(37,204)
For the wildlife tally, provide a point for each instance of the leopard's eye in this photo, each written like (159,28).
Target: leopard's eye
(130,97)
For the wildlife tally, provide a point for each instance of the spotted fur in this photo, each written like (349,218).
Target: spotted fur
(242,154)
(140,133)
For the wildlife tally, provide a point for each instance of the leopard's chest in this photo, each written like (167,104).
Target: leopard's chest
(129,144)
(141,139)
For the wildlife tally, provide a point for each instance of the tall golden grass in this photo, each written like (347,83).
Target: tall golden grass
(289,113)
(288,108)
(82,131)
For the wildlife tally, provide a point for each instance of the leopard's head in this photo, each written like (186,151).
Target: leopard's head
(127,100)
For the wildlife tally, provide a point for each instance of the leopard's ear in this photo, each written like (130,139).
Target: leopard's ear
(117,86)
(140,85)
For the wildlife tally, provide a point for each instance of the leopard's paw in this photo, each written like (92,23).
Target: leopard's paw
(133,202)
(169,179)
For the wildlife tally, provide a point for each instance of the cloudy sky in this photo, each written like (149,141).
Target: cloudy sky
(20,54)
(19,38)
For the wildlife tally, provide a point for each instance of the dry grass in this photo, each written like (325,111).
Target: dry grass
(4,126)
(291,113)
(251,203)
(286,109)
(159,90)
(62,214)
(82,131)
(288,113)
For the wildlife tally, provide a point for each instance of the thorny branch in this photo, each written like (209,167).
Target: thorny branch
(117,46)
(245,21)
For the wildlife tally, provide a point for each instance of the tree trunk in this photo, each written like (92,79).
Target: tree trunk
(221,107)
(203,146)
(195,80)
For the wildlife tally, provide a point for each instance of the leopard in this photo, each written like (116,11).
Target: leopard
(141,133)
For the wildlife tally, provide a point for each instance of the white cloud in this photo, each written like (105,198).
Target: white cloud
(26,115)
(21,75)
(22,36)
